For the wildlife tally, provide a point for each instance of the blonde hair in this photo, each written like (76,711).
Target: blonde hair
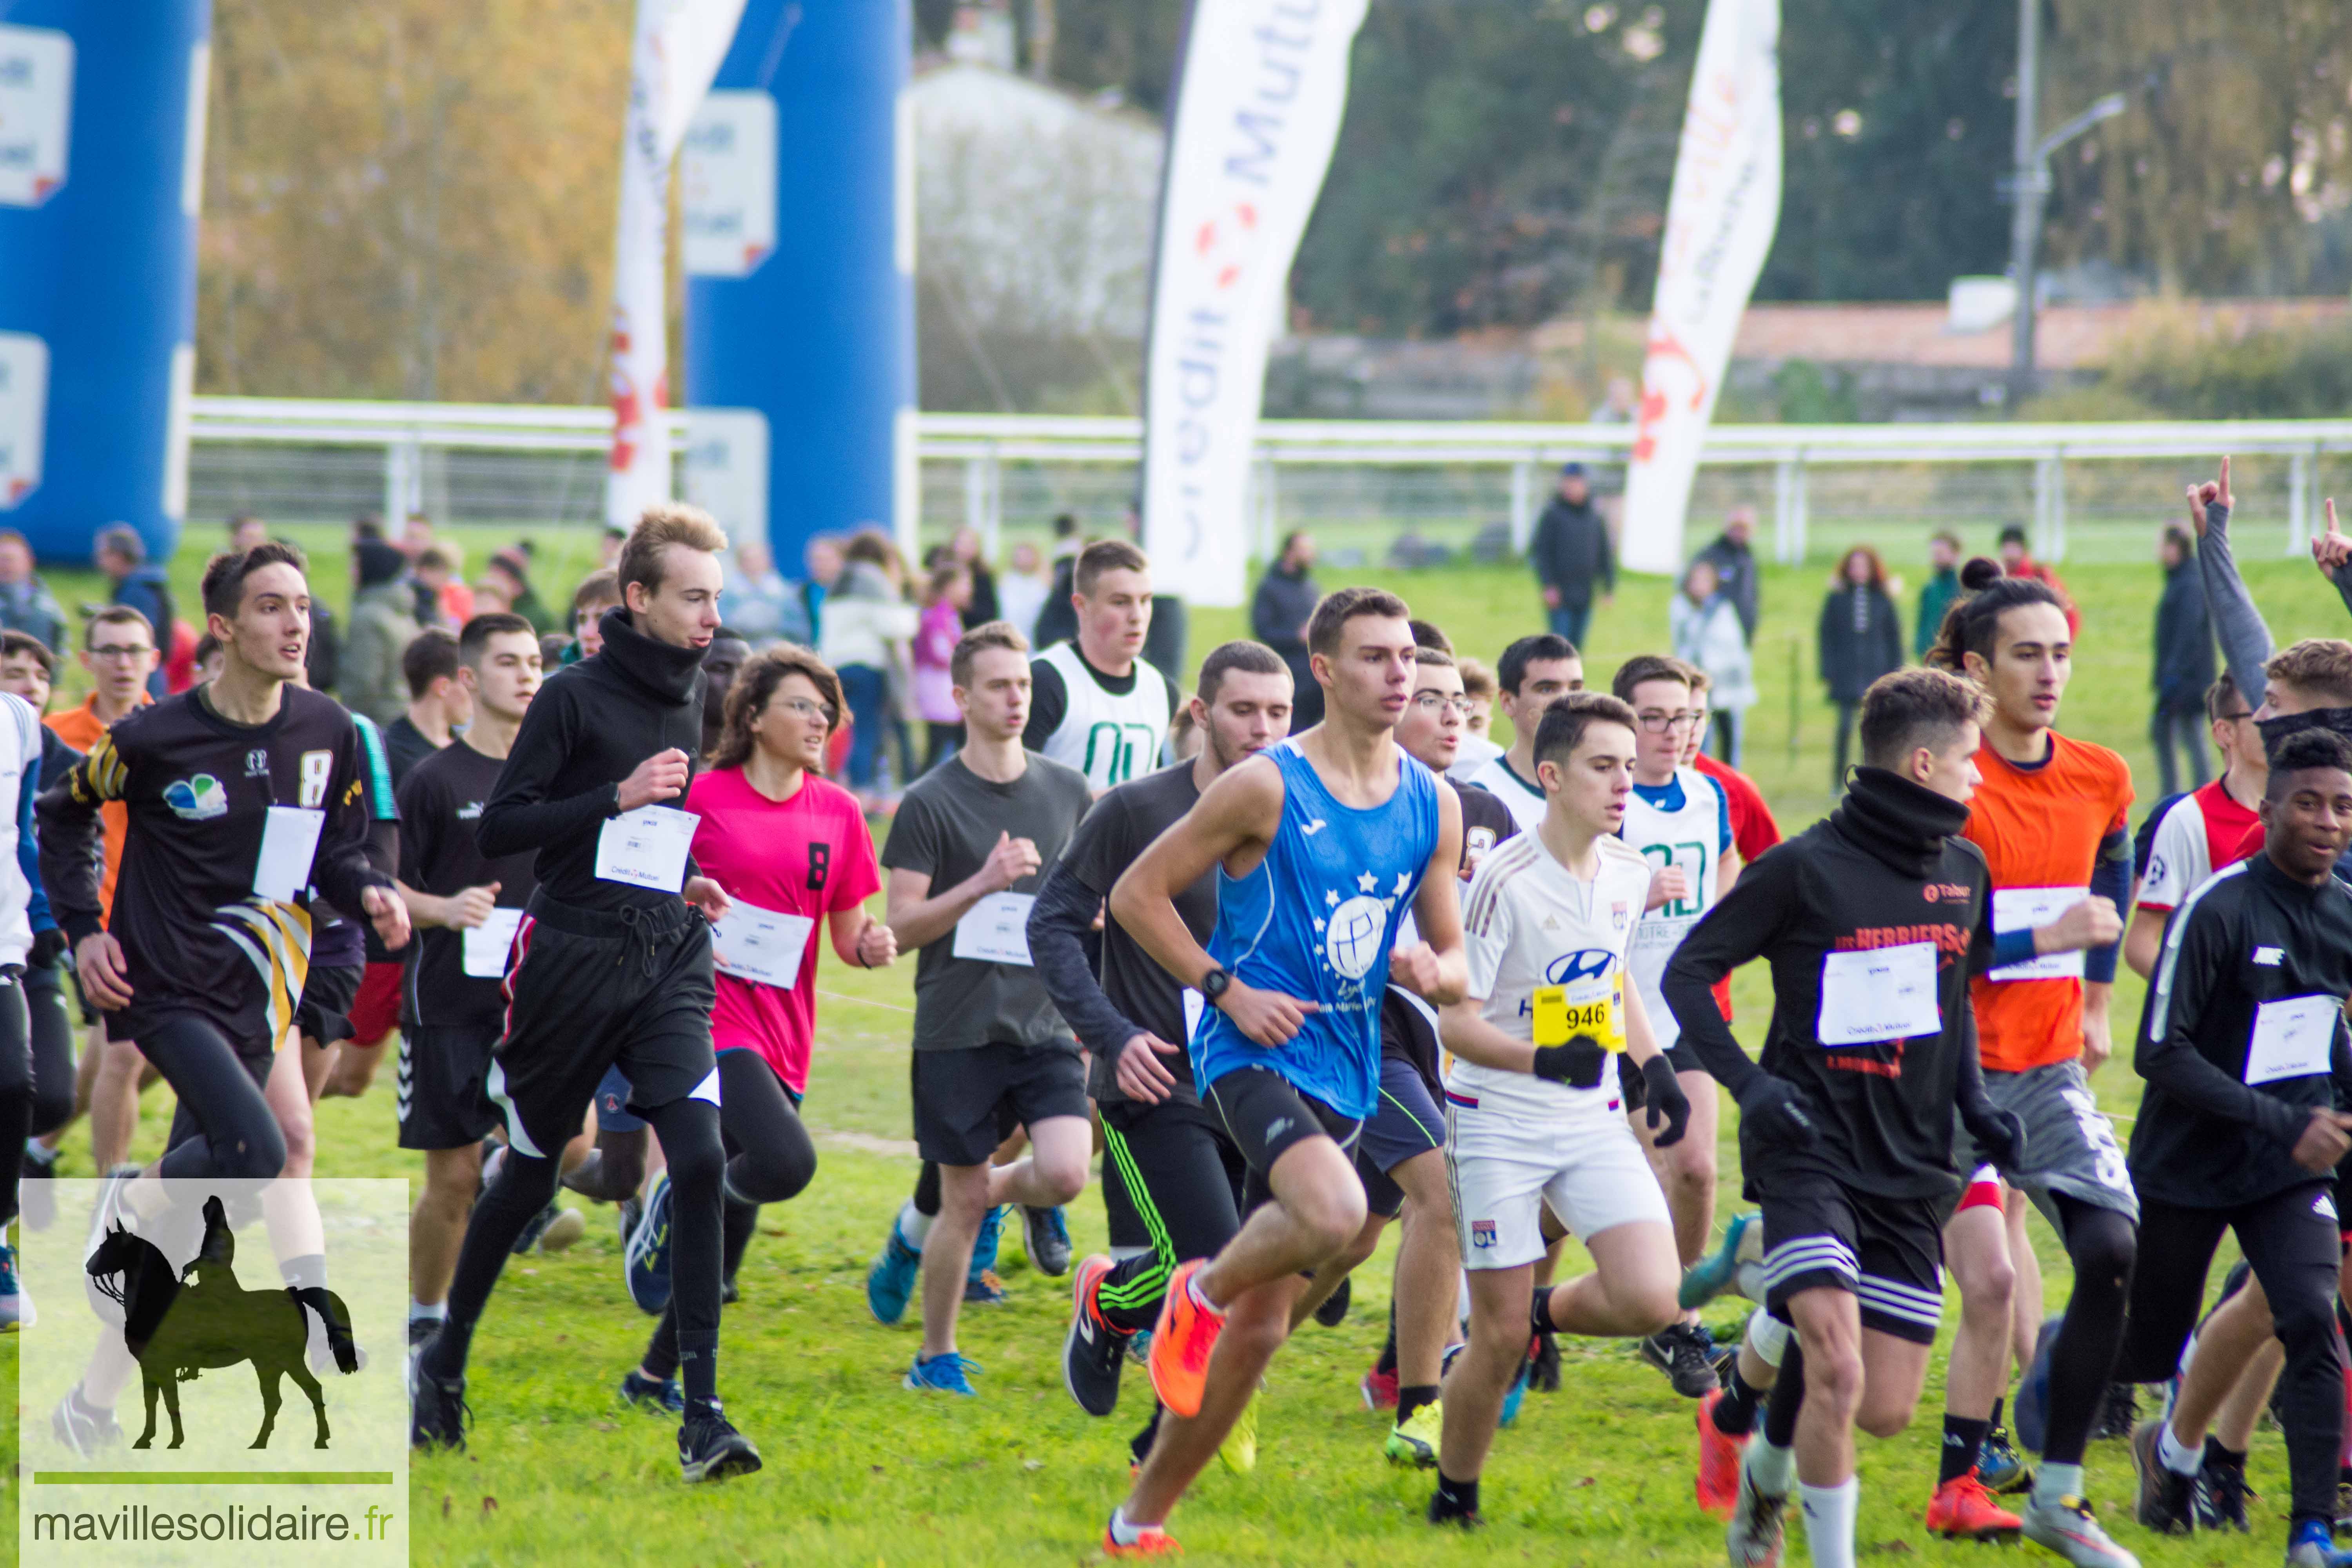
(2316,667)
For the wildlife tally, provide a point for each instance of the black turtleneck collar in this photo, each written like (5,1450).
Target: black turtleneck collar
(1901,823)
(671,675)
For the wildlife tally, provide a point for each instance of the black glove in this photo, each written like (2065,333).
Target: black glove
(1663,1094)
(1577,1064)
(1777,1110)
(2000,1135)
(48,946)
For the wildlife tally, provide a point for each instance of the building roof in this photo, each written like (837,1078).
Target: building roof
(2067,336)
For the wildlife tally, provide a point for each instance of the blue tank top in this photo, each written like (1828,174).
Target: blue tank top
(1316,921)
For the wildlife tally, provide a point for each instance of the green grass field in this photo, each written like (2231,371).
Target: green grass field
(861,1472)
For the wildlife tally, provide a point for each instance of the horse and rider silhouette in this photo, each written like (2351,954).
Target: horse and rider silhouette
(177,1326)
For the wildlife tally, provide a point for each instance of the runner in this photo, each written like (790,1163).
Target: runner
(965,854)
(1098,706)
(793,847)
(1325,842)
(1400,1158)
(1680,821)
(23,915)
(26,670)
(465,909)
(2050,817)
(1532,1110)
(612,964)
(1176,1171)
(438,702)
(2240,1128)
(2202,832)
(1845,1129)
(1531,672)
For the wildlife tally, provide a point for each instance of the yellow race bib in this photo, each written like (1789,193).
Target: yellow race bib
(1594,1007)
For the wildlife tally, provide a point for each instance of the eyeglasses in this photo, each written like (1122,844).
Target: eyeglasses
(819,712)
(121,650)
(1431,702)
(1663,723)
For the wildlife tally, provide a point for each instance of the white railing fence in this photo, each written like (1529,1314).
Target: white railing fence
(1369,489)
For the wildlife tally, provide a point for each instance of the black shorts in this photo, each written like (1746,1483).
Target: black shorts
(324,1014)
(442,1099)
(590,992)
(1183,1179)
(1889,1252)
(969,1101)
(1267,1117)
(1404,1123)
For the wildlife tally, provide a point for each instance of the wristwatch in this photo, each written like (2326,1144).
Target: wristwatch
(1213,984)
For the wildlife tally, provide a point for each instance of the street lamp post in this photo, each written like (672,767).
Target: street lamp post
(2028,184)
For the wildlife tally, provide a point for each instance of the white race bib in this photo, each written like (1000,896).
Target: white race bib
(2291,1038)
(647,848)
(2029,909)
(996,929)
(1886,993)
(760,945)
(487,944)
(289,842)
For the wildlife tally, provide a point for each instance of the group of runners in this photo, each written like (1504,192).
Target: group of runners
(1292,990)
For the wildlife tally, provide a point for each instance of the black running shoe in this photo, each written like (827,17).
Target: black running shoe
(2163,1494)
(1680,1351)
(728,1295)
(438,1413)
(421,1330)
(2120,1414)
(1047,1235)
(1543,1372)
(1439,1512)
(710,1450)
(1333,1308)
(2218,1500)
(1092,1350)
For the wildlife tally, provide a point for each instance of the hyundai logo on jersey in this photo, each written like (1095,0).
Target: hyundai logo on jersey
(1584,963)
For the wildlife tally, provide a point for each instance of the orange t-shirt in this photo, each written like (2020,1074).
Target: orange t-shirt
(2040,827)
(80,728)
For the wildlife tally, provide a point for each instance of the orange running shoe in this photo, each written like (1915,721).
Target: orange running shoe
(1151,1540)
(1718,1463)
(1181,1343)
(1962,1510)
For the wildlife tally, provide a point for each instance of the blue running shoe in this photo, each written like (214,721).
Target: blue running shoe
(1514,1395)
(983,1289)
(2032,1406)
(983,1246)
(655,1397)
(1046,1234)
(942,1375)
(1718,1271)
(648,1256)
(891,1281)
(15,1301)
(2313,1546)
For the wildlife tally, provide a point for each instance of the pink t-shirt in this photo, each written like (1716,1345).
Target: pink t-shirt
(808,856)
(935,644)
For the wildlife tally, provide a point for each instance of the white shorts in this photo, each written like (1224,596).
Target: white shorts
(1505,1167)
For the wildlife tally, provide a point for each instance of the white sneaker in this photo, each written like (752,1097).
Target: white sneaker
(15,1301)
(2068,1528)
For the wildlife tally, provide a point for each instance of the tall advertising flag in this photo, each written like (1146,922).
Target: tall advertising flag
(1719,224)
(680,43)
(1257,108)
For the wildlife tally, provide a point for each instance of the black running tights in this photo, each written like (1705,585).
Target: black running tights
(15,1093)
(222,1129)
(769,1160)
(2102,1244)
(688,1130)
(51,1028)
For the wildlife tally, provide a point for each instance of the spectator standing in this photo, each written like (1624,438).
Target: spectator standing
(1286,596)
(866,625)
(26,602)
(1861,639)
(1572,556)
(2184,661)
(383,625)
(509,569)
(1943,587)
(1707,633)
(1021,591)
(1734,566)
(442,598)
(246,531)
(122,554)
(1057,621)
(985,607)
(2017,561)
(757,603)
(823,558)
(947,599)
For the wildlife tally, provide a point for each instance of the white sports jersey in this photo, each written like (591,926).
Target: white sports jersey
(1523,796)
(1691,829)
(2198,835)
(1109,737)
(1531,923)
(20,752)
(1474,752)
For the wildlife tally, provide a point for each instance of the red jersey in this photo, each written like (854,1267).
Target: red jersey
(1753,831)
(807,856)
(2041,828)
(2206,831)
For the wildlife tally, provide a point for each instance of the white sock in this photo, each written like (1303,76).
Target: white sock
(2179,1459)
(1828,1522)
(1126,1534)
(40,1153)
(2055,1482)
(914,1227)
(1193,1289)
(1770,1469)
(438,1313)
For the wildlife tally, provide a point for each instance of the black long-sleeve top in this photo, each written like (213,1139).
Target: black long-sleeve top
(2251,935)
(587,729)
(1887,868)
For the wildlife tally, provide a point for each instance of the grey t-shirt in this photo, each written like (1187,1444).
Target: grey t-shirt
(946,826)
